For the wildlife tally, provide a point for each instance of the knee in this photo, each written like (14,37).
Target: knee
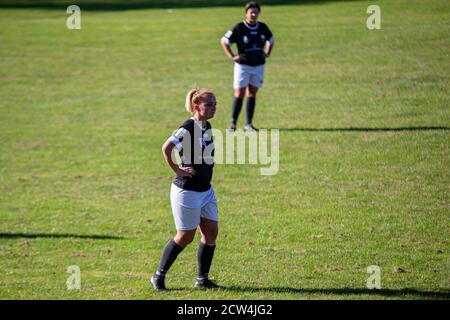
(251,92)
(239,93)
(184,239)
(210,236)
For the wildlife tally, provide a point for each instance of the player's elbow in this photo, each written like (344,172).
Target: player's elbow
(225,42)
(165,148)
(164,151)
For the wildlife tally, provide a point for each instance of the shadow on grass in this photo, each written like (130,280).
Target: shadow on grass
(115,5)
(351,129)
(13,235)
(346,291)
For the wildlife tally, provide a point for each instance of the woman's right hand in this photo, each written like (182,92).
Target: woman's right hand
(236,58)
(186,172)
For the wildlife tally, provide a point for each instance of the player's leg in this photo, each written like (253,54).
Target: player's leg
(236,107)
(209,230)
(240,82)
(256,81)
(239,93)
(184,237)
(170,252)
(186,222)
(250,106)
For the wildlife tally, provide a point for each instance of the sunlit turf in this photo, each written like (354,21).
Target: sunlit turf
(364,144)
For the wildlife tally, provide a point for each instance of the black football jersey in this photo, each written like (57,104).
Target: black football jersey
(250,41)
(196,149)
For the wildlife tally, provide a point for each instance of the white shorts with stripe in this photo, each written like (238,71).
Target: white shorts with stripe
(189,206)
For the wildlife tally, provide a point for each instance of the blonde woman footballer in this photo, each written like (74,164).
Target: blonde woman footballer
(192,197)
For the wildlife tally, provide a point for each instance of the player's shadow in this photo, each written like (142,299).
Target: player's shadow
(27,235)
(346,291)
(363,129)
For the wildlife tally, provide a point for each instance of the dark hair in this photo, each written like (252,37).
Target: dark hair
(252,4)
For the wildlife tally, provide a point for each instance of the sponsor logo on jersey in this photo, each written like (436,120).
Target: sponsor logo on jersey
(245,39)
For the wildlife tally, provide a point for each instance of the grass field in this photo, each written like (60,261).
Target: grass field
(364,119)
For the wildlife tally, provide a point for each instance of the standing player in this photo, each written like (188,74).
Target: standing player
(192,196)
(252,38)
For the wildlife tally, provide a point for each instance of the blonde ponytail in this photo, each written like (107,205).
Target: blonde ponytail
(195,96)
(189,105)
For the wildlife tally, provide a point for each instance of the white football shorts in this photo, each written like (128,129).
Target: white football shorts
(248,75)
(189,206)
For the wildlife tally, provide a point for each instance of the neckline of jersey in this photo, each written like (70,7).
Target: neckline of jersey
(250,27)
(199,123)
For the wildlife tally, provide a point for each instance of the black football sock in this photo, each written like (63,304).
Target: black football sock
(250,105)
(170,253)
(236,109)
(205,255)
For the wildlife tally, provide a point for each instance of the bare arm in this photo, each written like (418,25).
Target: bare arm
(167,153)
(269,47)
(229,53)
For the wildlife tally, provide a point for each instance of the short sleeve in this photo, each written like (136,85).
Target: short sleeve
(177,137)
(268,34)
(230,36)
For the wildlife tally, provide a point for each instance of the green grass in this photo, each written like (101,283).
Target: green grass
(364,152)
